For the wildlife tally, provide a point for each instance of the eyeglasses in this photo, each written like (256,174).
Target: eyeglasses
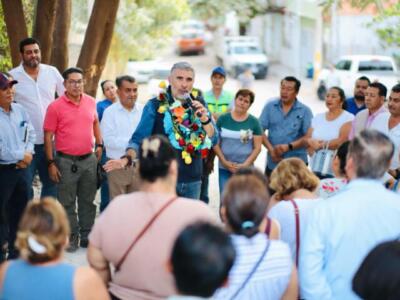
(75,82)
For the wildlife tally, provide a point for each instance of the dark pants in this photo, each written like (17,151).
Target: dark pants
(39,164)
(104,189)
(13,199)
(76,192)
(204,188)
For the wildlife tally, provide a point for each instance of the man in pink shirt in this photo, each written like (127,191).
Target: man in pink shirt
(374,101)
(72,121)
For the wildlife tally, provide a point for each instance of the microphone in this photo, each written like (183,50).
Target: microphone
(189,103)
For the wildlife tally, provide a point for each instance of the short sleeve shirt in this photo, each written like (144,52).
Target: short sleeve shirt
(220,105)
(236,138)
(72,124)
(286,128)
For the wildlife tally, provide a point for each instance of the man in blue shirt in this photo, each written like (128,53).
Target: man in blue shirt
(17,138)
(287,121)
(357,102)
(342,230)
(188,126)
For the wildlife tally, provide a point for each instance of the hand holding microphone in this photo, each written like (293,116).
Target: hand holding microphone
(195,105)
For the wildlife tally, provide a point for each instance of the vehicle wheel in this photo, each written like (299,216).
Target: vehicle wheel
(321,92)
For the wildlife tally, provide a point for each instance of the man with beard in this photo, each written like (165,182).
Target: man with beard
(389,124)
(36,89)
(357,103)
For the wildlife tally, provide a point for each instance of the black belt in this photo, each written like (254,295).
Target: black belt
(8,167)
(74,157)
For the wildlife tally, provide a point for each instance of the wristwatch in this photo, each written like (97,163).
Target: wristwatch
(290,146)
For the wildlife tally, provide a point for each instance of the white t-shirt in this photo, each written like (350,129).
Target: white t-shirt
(328,130)
(283,212)
(381,123)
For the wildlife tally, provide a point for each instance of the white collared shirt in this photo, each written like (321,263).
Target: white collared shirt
(35,96)
(117,127)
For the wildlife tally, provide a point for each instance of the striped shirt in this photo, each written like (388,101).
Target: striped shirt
(272,276)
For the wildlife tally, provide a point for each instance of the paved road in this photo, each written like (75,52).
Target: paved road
(264,90)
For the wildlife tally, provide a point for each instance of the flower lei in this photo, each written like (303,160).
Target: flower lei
(183,129)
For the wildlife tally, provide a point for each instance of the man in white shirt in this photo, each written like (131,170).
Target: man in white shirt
(118,124)
(37,87)
(341,231)
(389,124)
(374,101)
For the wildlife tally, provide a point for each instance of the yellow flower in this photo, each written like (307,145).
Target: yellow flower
(196,142)
(188,160)
(195,93)
(162,85)
(177,136)
(162,109)
(185,154)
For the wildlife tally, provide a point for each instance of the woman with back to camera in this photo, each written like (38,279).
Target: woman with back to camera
(328,131)
(136,232)
(40,273)
(295,195)
(263,268)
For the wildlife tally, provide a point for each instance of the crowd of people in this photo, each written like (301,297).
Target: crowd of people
(322,221)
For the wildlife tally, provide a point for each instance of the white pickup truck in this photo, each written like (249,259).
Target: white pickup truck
(350,67)
(239,53)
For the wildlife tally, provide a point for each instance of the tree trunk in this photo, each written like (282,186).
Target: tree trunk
(44,26)
(16,26)
(59,53)
(97,42)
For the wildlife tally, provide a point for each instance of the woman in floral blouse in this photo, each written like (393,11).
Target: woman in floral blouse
(240,137)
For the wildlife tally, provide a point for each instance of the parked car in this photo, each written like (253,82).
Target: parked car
(191,41)
(349,68)
(239,53)
(142,70)
(160,73)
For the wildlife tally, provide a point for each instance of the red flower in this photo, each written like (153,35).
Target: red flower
(204,153)
(195,127)
(161,97)
(181,142)
(189,148)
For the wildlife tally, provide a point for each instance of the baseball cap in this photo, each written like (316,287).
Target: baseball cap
(219,70)
(5,82)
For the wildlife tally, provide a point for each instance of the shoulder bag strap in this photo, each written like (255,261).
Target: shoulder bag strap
(252,271)
(297,220)
(143,231)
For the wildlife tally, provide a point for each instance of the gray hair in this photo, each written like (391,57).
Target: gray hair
(371,152)
(182,65)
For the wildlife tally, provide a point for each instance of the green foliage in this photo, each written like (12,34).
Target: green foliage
(215,10)
(386,23)
(5,56)
(144,27)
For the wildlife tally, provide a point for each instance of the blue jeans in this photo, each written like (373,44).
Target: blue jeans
(104,190)
(223,177)
(189,189)
(39,164)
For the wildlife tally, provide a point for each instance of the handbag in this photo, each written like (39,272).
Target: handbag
(321,161)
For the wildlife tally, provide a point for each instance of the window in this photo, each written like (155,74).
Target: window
(375,65)
(344,65)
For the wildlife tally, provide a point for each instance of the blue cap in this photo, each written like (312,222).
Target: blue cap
(219,70)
